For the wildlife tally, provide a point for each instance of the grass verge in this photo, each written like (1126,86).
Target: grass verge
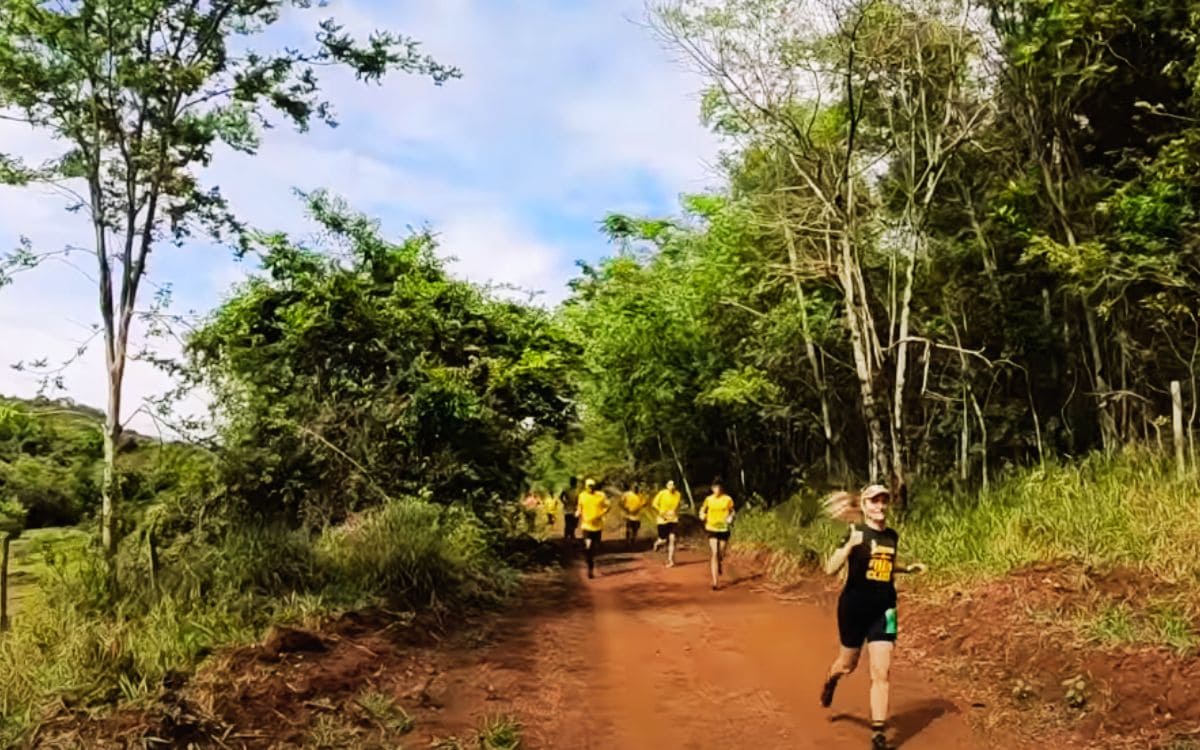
(72,645)
(1128,511)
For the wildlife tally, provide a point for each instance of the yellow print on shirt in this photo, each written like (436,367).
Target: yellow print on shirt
(880,567)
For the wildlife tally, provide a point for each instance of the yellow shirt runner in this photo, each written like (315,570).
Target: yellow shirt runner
(592,507)
(666,503)
(632,503)
(716,510)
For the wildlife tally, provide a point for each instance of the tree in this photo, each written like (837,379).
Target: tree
(359,370)
(838,93)
(140,92)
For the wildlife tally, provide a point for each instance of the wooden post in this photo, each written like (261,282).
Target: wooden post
(1177,427)
(152,543)
(4,581)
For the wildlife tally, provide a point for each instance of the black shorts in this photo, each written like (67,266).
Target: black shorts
(722,535)
(570,521)
(865,619)
(593,535)
(665,530)
(633,523)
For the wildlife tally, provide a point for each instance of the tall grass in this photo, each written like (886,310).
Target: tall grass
(1126,510)
(75,643)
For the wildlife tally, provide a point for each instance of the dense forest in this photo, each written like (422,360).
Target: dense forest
(954,238)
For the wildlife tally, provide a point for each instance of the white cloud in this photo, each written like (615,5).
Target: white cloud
(565,111)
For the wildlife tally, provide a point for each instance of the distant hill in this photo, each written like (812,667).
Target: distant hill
(70,411)
(51,459)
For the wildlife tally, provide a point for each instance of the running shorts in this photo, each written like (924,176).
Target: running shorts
(865,620)
(665,530)
(724,535)
(593,535)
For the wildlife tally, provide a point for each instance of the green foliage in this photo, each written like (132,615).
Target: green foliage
(444,555)
(140,95)
(72,640)
(12,518)
(1101,512)
(1044,206)
(350,376)
(50,460)
(500,733)
(381,709)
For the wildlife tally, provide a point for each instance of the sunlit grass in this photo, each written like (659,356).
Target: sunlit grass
(75,643)
(1128,511)
(500,733)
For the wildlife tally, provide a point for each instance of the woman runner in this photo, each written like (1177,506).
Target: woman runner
(666,505)
(717,514)
(867,605)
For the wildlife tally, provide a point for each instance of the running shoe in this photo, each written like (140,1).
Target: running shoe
(879,741)
(827,692)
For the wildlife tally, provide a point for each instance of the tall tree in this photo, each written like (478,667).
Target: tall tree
(841,92)
(140,92)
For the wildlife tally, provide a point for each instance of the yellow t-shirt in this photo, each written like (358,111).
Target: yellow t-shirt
(550,504)
(666,502)
(633,504)
(592,507)
(717,509)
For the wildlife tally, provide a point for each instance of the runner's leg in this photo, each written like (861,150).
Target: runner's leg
(713,559)
(844,664)
(671,549)
(880,654)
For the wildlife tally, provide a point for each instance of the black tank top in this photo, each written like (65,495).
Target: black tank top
(872,563)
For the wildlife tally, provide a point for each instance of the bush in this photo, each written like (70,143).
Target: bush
(77,642)
(413,553)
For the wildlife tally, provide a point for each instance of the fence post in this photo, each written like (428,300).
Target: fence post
(1177,427)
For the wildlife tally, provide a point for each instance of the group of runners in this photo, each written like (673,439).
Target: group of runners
(587,509)
(866,610)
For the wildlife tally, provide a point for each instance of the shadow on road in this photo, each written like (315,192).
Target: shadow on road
(908,723)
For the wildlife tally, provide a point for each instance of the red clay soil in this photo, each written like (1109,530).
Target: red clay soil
(991,639)
(640,657)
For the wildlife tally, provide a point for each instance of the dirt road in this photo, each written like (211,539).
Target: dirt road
(642,657)
(646,657)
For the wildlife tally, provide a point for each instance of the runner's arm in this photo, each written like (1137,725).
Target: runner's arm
(914,568)
(841,554)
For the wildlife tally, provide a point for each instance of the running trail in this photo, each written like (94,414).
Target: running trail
(649,657)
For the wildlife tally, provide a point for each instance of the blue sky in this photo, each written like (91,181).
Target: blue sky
(566,111)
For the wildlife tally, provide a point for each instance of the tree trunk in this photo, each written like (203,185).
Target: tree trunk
(110,487)
(1103,392)
(983,441)
(897,424)
(1177,428)
(877,460)
(687,487)
(810,353)
(964,454)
